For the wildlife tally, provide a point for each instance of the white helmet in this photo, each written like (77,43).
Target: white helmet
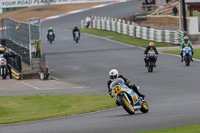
(113,74)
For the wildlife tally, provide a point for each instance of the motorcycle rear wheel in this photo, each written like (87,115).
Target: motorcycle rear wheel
(126,105)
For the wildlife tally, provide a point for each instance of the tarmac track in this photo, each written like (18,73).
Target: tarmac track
(172,90)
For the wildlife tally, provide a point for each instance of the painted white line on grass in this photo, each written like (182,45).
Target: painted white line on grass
(31,86)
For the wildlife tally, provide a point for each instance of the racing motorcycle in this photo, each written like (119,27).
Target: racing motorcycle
(76,36)
(3,67)
(151,58)
(129,100)
(51,38)
(187,55)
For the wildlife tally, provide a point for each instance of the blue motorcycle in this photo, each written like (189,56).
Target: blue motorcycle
(51,37)
(187,55)
(129,100)
(76,36)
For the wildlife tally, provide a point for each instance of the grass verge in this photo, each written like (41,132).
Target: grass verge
(123,38)
(196,51)
(29,108)
(186,129)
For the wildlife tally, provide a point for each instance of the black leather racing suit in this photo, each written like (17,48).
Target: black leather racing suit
(48,34)
(127,84)
(146,52)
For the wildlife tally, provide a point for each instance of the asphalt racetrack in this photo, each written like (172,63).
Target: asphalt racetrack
(172,90)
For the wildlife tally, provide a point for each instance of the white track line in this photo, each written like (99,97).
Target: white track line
(31,86)
(54,78)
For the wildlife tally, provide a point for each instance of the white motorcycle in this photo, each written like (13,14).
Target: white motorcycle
(3,67)
(129,100)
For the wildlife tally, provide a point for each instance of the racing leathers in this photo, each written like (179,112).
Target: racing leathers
(188,44)
(73,32)
(127,83)
(146,52)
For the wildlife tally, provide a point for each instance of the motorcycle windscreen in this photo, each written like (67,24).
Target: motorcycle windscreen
(118,81)
(76,33)
(50,33)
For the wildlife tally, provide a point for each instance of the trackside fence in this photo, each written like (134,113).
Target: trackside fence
(129,28)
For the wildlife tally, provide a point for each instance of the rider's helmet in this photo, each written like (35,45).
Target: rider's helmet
(113,74)
(2,49)
(151,44)
(50,28)
(186,39)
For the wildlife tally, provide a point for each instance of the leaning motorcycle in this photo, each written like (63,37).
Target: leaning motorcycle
(151,58)
(187,55)
(3,67)
(51,38)
(129,100)
(76,36)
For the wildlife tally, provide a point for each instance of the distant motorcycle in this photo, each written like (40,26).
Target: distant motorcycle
(3,67)
(187,55)
(151,58)
(51,37)
(129,100)
(77,36)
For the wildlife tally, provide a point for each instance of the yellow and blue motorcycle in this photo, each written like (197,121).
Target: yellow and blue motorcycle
(129,100)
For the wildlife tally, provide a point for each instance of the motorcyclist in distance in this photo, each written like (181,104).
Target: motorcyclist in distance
(186,43)
(50,30)
(114,74)
(73,32)
(151,46)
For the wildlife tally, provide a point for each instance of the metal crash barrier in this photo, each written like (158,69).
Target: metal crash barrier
(15,62)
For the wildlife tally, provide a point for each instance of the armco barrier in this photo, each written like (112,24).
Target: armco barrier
(119,26)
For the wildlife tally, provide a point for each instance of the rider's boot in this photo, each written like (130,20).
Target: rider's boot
(136,90)
(191,59)
(181,59)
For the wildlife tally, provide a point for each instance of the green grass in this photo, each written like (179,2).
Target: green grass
(186,129)
(29,108)
(123,38)
(196,53)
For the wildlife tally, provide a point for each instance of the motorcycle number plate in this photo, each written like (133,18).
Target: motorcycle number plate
(135,99)
(117,89)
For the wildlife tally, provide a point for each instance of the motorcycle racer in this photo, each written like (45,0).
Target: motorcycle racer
(186,43)
(114,74)
(151,46)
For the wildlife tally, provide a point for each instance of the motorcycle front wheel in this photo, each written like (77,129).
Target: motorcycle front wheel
(150,66)
(126,105)
(144,107)
(187,60)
